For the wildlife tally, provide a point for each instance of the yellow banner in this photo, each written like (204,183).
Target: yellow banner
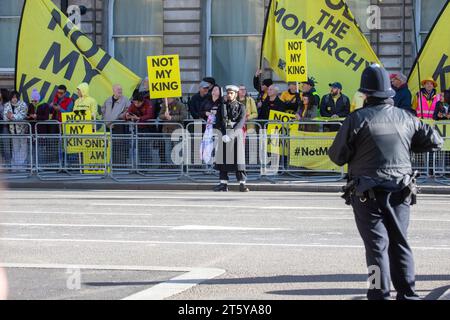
(52,51)
(443,128)
(336,45)
(434,57)
(97,154)
(296,63)
(164,76)
(277,133)
(309,150)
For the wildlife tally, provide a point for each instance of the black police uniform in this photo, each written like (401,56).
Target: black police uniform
(376,142)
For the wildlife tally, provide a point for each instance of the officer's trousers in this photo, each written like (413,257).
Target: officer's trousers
(382,223)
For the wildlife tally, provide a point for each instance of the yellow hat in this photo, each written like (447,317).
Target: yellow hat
(430,79)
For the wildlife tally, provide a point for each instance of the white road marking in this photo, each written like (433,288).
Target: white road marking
(97,204)
(201,243)
(80,213)
(176,228)
(164,290)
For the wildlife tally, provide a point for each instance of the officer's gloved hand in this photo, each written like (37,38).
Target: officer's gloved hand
(226,139)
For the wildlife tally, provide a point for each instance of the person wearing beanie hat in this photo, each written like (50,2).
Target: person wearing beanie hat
(38,111)
(376,143)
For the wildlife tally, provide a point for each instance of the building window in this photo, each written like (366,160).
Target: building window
(136,31)
(426,14)
(235,30)
(10,11)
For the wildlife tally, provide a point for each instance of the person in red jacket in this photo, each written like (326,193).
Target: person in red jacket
(62,102)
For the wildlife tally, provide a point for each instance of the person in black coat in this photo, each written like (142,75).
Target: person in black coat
(195,104)
(376,143)
(230,155)
(335,104)
(403,97)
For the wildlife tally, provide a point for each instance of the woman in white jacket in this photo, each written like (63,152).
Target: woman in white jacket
(16,110)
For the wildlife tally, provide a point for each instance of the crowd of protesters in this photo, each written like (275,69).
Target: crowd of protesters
(300,99)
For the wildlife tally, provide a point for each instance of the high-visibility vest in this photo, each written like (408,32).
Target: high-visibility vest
(428,107)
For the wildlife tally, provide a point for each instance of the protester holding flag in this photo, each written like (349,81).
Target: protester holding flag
(16,110)
(272,102)
(85,103)
(426,99)
(291,98)
(261,87)
(403,96)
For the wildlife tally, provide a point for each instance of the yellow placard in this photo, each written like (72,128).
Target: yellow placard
(52,51)
(309,150)
(278,132)
(164,76)
(296,61)
(97,155)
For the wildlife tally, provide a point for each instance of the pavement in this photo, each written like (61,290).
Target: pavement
(196,245)
(202,183)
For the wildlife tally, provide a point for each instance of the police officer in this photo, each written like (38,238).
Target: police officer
(230,156)
(376,142)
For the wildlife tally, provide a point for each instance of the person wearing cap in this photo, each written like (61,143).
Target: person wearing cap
(335,104)
(426,100)
(261,87)
(230,155)
(291,98)
(376,143)
(403,97)
(272,102)
(308,87)
(195,104)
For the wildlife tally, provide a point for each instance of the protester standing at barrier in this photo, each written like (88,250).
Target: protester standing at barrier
(261,87)
(211,81)
(16,110)
(308,87)
(62,102)
(334,105)
(174,112)
(403,97)
(85,103)
(442,111)
(195,104)
(426,99)
(376,142)
(115,108)
(307,112)
(291,98)
(140,111)
(230,156)
(272,102)
(250,107)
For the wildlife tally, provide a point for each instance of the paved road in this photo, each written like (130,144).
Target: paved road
(264,245)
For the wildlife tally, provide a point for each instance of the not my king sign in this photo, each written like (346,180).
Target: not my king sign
(296,61)
(164,76)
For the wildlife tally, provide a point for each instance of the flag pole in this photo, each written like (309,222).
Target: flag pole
(419,97)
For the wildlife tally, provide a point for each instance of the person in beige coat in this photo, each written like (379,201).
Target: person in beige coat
(250,107)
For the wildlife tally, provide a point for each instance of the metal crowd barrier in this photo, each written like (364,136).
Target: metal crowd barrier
(149,151)
(441,162)
(72,150)
(16,143)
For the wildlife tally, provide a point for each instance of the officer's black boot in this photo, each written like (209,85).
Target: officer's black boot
(221,188)
(243,188)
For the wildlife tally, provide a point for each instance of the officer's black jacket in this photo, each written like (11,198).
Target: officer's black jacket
(376,141)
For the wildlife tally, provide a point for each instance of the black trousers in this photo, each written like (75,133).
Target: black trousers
(383,223)
(240,176)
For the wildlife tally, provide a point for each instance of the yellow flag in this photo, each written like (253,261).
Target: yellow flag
(434,57)
(52,51)
(337,49)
